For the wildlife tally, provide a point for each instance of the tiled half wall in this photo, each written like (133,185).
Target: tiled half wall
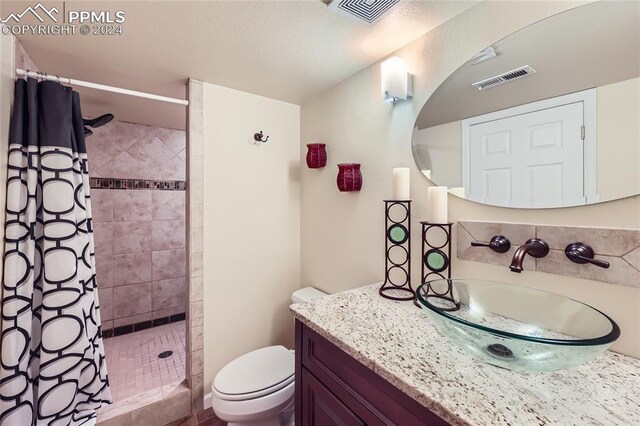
(619,247)
(140,236)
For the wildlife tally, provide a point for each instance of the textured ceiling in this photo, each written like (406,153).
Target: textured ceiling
(287,50)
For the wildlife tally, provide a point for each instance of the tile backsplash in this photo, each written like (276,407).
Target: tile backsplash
(619,247)
(138,221)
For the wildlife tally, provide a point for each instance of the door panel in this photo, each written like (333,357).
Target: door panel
(545,182)
(496,144)
(321,407)
(497,184)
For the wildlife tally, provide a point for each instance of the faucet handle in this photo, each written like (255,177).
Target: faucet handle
(582,253)
(499,244)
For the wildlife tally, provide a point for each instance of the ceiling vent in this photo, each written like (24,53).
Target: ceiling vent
(505,77)
(368,11)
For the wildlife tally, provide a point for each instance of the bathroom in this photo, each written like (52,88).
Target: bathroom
(258,224)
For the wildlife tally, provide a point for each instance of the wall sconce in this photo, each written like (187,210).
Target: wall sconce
(397,83)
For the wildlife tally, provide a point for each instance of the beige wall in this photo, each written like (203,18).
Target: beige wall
(618,139)
(252,224)
(7,59)
(434,146)
(342,238)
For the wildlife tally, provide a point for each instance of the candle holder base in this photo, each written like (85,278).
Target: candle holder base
(453,305)
(397,277)
(387,293)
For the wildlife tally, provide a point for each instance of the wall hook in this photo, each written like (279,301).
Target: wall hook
(258,137)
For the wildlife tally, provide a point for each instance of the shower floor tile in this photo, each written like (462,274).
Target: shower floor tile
(134,369)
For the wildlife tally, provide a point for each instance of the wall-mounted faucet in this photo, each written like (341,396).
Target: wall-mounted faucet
(534,247)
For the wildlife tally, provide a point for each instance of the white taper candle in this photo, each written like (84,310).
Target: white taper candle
(437,211)
(401,183)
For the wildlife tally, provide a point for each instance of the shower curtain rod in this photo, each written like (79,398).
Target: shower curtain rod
(43,76)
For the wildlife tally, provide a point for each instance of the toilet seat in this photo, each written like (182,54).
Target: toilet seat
(262,372)
(253,395)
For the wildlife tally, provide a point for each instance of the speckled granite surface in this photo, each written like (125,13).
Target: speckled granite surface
(398,341)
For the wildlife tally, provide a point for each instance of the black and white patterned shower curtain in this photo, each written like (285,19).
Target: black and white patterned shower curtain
(53,368)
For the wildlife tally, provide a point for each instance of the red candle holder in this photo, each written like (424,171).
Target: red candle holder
(349,177)
(316,155)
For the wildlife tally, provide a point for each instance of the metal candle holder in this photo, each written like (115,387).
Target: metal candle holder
(397,234)
(436,262)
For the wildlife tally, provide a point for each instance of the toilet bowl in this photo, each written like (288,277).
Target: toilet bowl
(257,389)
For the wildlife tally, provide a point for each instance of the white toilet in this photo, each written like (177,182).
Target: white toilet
(257,389)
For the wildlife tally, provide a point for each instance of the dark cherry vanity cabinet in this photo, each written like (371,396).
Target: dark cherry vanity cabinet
(332,388)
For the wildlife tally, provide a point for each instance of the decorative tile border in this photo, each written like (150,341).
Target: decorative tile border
(619,247)
(163,185)
(130,328)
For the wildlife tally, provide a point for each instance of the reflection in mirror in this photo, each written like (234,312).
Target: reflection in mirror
(547,117)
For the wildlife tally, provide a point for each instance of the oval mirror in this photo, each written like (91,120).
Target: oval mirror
(547,117)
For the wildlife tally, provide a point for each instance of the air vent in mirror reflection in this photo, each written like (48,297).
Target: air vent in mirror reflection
(505,77)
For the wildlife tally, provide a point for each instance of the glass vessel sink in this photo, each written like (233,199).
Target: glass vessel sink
(515,327)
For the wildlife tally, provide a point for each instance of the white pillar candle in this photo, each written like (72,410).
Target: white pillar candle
(401,183)
(437,211)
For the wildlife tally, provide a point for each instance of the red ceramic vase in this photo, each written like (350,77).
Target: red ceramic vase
(349,177)
(316,155)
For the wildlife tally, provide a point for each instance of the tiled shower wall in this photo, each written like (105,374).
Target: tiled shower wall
(139,233)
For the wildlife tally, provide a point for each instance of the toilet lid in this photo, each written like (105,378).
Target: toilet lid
(255,371)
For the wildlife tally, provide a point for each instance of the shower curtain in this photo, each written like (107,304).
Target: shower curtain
(53,368)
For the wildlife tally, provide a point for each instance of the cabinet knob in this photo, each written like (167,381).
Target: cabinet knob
(499,244)
(582,253)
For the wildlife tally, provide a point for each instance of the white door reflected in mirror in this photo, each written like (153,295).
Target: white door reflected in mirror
(533,159)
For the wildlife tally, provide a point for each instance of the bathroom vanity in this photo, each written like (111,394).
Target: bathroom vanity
(336,389)
(362,359)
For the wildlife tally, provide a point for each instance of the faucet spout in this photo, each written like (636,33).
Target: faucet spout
(518,259)
(534,247)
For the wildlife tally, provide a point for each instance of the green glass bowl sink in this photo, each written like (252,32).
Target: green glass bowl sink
(515,327)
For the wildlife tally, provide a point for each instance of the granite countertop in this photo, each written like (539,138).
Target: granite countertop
(398,341)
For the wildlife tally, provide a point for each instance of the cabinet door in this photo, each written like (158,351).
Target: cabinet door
(321,408)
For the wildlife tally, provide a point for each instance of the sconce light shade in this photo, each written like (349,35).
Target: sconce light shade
(397,83)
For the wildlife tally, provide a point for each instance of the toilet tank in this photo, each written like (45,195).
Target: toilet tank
(307,294)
